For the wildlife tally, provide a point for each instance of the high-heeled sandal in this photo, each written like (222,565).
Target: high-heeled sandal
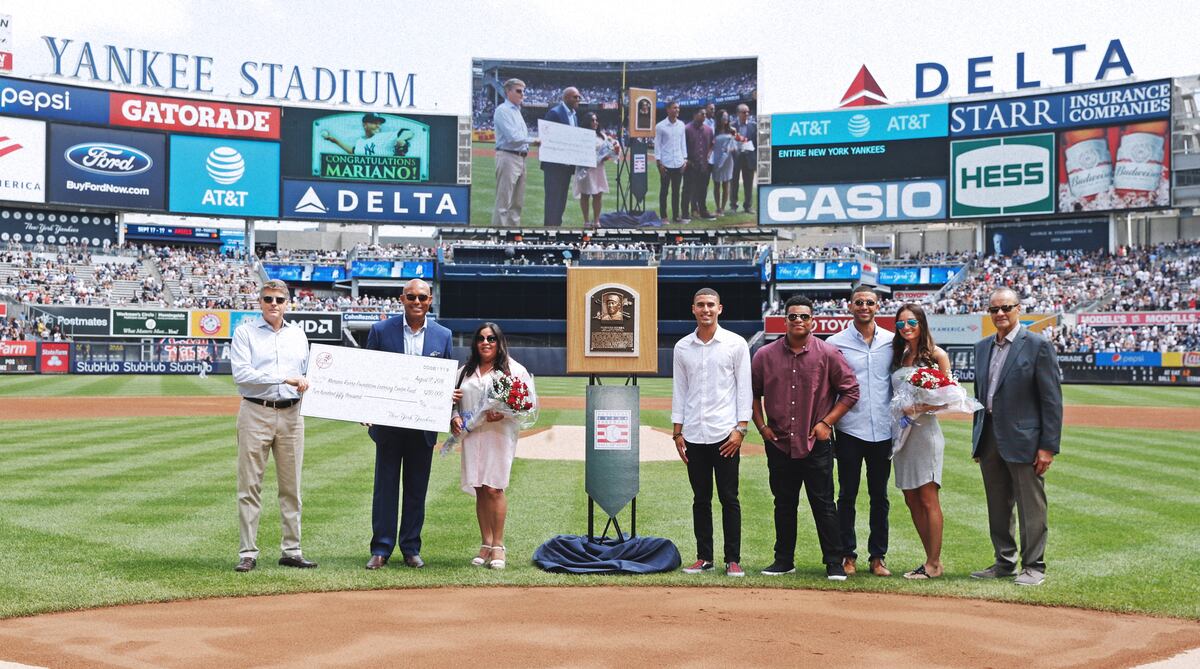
(498,563)
(479,560)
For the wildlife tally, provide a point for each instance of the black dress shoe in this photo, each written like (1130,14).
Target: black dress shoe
(413,561)
(246,564)
(377,562)
(296,561)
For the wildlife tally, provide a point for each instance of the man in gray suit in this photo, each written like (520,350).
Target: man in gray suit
(1015,436)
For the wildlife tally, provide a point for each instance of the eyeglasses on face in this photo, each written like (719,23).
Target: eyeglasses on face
(1002,307)
(416,297)
(519,91)
(869,303)
(911,322)
(491,339)
(800,317)
(271,299)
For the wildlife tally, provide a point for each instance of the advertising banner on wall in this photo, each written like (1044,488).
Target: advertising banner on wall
(323,326)
(1002,176)
(369,146)
(388,269)
(77,321)
(19,97)
(1175,369)
(81,365)
(54,357)
(56,227)
(1139,318)
(922,199)
(1118,167)
(1127,103)
(231,177)
(204,117)
(328,200)
(880,124)
(149,322)
(173,233)
(107,168)
(18,357)
(824,324)
(1088,234)
(209,323)
(22,160)
(859,162)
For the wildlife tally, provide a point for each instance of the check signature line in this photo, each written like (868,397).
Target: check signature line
(391,399)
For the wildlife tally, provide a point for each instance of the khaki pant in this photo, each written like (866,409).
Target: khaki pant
(510,189)
(261,431)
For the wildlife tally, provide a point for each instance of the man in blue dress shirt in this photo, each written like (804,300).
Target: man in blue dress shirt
(865,433)
(512,145)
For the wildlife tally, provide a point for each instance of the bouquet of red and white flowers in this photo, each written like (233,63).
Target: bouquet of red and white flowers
(927,390)
(506,394)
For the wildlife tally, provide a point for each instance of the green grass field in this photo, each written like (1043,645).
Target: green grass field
(100,512)
(483,194)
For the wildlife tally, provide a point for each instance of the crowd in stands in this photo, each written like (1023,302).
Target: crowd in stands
(72,276)
(40,328)
(308,301)
(207,279)
(1162,338)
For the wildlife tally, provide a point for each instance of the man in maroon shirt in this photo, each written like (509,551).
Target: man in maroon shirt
(805,387)
(695,173)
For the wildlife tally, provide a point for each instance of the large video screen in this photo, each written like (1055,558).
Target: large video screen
(623,103)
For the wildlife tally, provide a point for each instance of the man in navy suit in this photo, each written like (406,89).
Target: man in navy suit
(1016,436)
(557,175)
(402,451)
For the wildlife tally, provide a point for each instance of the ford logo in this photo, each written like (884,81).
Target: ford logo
(108,159)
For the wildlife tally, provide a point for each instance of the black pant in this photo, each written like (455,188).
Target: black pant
(704,462)
(744,165)
(558,182)
(401,452)
(695,177)
(670,179)
(815,474)
(851,452)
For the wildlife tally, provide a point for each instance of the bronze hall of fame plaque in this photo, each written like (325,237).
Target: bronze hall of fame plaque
(612,323)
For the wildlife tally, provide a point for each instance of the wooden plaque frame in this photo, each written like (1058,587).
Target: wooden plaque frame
(585,282)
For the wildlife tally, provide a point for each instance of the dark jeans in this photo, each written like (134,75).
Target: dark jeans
(745,163)
(671,179)
(704,463)
(695,189)
(409,454)
(557,184)
(851,452)
(815,474)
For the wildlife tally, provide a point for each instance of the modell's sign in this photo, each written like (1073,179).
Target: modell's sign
(1128,318)
(194,116)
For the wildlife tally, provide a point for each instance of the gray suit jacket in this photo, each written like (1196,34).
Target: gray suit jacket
(1027,407)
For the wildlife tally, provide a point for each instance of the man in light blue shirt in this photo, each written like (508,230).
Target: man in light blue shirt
(865,432)
(269,356)
(512,146)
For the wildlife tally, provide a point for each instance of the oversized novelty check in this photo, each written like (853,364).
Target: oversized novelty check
(380,388)
(565,144)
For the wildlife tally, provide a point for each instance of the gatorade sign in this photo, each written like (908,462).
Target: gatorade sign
(1002,176)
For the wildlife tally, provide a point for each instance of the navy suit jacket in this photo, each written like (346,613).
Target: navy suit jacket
(389,336)
(559,113)
(1027,407)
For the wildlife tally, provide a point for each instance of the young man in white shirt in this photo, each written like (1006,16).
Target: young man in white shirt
(710,409)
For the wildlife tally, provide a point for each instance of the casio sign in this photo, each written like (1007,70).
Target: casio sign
(108,159)
(898,201)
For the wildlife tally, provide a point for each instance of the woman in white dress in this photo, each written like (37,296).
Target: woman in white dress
(918,464)
(487,450)
(591,183)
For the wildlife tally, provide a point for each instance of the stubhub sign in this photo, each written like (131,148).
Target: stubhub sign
(399,203)
(923,199)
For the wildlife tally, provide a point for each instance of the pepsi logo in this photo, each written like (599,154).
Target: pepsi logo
(225,165)
(108,159)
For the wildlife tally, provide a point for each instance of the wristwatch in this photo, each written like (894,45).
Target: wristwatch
(741,430)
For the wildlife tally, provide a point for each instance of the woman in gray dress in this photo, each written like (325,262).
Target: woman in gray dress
(722,167)
(918,462)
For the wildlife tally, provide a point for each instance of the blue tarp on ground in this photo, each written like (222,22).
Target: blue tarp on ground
(571,554)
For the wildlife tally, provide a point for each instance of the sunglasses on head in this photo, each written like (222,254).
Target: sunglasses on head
(869,303)
(1002,307)
(416,297)
(271,299)
(911,322)
(491,339)
(800,317)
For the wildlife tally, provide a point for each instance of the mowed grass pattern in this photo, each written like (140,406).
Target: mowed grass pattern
(110,511)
